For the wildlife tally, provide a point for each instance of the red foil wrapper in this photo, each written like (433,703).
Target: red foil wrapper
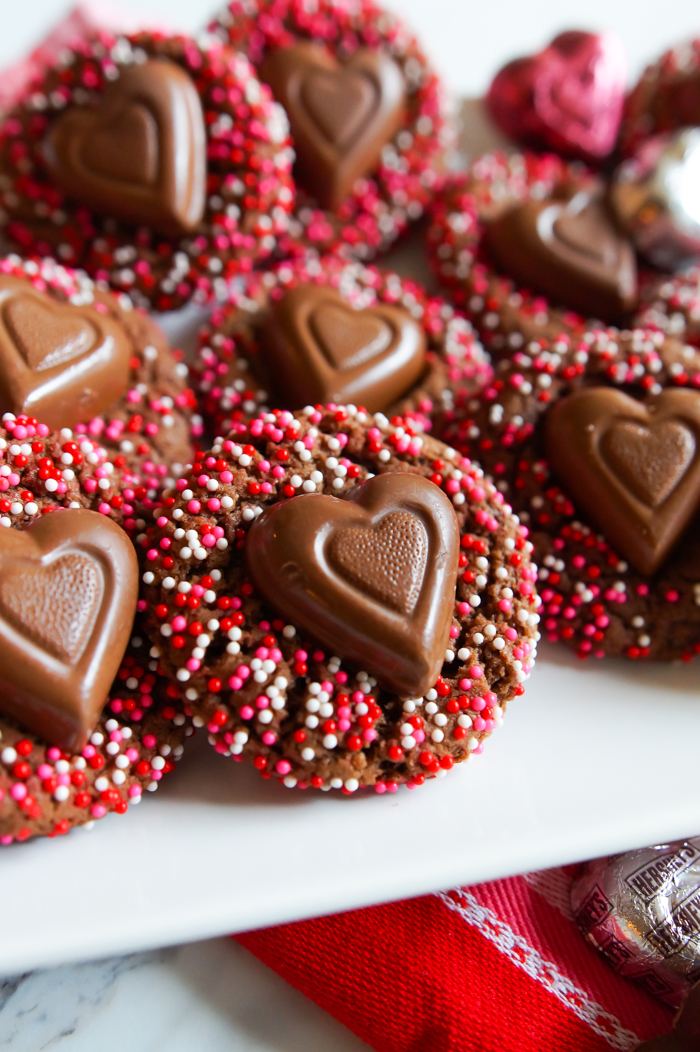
(642,911)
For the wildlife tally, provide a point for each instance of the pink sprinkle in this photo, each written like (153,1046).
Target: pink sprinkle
(269,738)
(98,810)
(247,712)
(18,791)
(283,767)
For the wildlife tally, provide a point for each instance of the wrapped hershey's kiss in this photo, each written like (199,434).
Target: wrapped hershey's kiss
(656,197)
(641,909)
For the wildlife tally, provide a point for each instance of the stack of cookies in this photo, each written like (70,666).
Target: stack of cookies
(319,538)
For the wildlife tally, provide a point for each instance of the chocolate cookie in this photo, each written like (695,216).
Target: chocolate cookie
(157,163)
(365,112)
(529,248)
(42,469)
(346,601)
(672,306)
(314,332)
(79,357)
(595,441)
(666,97)
(46,790)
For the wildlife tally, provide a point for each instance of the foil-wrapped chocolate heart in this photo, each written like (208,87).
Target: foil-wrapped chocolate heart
(656,197)
(568,97)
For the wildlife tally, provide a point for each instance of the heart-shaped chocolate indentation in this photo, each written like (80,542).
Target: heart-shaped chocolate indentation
(58,362)
(570,251)
(633,467)
(68,590)
(44,338)
(347,337)
(315,348)
(104,154)
(137,153)
(53,605)
(341,115)
(371,577)
(388,563)
(650,461)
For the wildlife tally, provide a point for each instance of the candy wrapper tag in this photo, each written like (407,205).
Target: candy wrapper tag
(642,911)
(83,21)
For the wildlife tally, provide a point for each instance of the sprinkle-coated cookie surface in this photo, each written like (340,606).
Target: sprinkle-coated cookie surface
(265,689)
(46,791)
(75,355)
(365,111)
(633,400)
(672,305)
(666,97)
(338,330)
(573,257)
(159,164)
(40,469)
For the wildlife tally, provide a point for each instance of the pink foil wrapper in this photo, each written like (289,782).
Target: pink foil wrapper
(79,24)
(642,911)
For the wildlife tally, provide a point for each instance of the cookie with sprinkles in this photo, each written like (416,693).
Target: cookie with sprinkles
(345,601)
(319,331)
(41,469)
(672,305)
(157,163)
(595,441)
(365,112)
(77,356)
(528,248)
(46,790)
(666,97)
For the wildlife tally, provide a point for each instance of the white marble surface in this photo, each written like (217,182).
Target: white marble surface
(209,996)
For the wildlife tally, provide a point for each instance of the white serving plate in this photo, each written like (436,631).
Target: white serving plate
(595,758)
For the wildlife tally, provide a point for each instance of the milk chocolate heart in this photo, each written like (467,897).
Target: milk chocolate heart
(341,115)
(68,590)
(138,153)
(60,363)
(633,467)
(570,251)
(371,577)
(317,349)
(568,97)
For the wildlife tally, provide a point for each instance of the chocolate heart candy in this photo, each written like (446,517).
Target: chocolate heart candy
(569,96)
(317,349)
(138,153)
(60,363)
(633,467)
(568,250)
(372,577)
(341,114)
(68,589)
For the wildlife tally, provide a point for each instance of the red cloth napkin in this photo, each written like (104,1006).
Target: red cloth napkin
(494,967)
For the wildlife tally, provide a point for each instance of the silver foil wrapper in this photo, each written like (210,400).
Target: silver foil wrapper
(642,911)
(656,197)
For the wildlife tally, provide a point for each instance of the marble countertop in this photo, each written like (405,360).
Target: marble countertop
(212,996)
